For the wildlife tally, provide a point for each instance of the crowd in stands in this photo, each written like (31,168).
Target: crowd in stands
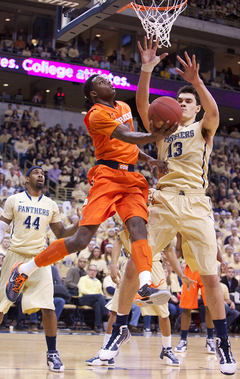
(66,156)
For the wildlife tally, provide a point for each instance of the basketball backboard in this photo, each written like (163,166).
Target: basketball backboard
(91,14)
(64,3)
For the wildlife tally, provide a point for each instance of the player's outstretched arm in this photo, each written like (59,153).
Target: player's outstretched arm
(123,133)
(149,61)
(190,73)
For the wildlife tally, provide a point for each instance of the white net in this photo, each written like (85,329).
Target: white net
(157,19)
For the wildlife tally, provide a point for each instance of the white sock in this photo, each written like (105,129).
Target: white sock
(106,339)
(167,341)
(145,278)
(28,268)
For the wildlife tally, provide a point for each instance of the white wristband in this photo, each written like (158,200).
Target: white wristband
(148,67)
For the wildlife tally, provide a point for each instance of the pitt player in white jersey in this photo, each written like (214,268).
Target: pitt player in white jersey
(180,201)
(30,213)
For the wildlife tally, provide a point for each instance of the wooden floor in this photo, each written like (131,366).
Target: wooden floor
(22,356)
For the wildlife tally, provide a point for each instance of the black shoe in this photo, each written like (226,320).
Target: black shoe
(150,295)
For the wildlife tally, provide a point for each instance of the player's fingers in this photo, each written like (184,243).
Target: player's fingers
(162,56)
(156,46)
(188,58)
(145,43)
(194,60)
(150,42)
(140,47)
(183,63)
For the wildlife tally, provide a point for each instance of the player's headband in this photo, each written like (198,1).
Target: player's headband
(32,168)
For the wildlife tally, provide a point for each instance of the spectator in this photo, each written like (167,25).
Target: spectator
(229,280)
(113,57)
(64,178)
(235,133)
(53,175)
(40,46)
(8,113)
(164,73)
(73,276)
(96,260)
(49,48)
(13,178)
(85,253)
(26,118)
(8,190)
(14,119)
(59,98)
(73,52)
(2,180)
(236,264)
(35,52)
(46,167)
(85,186)
(90,293)
(86,164)
(5,244)
(38,161)
(105,64)
(21,150)
(77,194)
(114,66)
(19,44)
(110,239)
(231,313)
(45,53)
(89,62)
(64,52)
(19,95)
(4,170)
(26,52)
(4,138)
(37,98)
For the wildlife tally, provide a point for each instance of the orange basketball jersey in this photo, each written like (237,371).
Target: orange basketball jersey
(101,121)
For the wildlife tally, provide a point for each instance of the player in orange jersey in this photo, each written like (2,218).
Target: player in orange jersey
(115,188)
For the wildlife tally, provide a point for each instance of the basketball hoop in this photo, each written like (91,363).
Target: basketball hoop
(157,20)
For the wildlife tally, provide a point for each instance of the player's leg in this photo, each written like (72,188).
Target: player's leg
(96,361)
(215,301)
(210,343)
(185,322)
(49,320)
(167,351)
(53,253)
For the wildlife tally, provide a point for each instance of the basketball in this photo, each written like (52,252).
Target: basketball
(164,108)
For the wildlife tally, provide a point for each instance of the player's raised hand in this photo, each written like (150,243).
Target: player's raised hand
(191,68)
(164,131)
(148,51)
(189,282)
(115,274)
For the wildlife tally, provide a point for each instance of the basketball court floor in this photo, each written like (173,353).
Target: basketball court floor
(23,356)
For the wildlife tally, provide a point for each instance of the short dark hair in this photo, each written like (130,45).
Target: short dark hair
(88,86)
(189,89)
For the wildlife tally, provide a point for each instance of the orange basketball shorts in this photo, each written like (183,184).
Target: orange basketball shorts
(189,299)
(114,191)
